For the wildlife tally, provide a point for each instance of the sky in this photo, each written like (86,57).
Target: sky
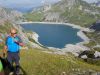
(91,1)
(23,3)
(26,4)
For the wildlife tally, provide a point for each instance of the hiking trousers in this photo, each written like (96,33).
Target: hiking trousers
(13,57)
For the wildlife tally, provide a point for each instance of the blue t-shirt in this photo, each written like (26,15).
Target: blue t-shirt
(12,46)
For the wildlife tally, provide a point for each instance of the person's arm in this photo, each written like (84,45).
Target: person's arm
(19,41)
(5,49)
(21,44)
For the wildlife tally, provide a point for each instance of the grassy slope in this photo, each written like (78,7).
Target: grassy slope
(95,40)
(5,28)
(74,15)
(79,17)
(36,16)
(35,62)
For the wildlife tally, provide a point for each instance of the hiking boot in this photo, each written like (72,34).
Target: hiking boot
(11,73)
(17,70)
(19,73)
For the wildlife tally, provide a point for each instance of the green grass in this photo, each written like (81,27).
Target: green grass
(95,40)
(35,16)
(97,49)
(73,15)
(78,17)
(90,44)
(1,46)
(5,28)
(36,62)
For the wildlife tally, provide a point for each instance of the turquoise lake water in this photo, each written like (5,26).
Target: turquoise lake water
(54,35)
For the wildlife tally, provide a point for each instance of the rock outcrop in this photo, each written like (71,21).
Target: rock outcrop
(9,15)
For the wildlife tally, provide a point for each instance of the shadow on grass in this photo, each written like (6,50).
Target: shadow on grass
(23,71)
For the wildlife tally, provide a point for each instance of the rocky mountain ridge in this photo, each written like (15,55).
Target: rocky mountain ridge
(77,12)
(9,15)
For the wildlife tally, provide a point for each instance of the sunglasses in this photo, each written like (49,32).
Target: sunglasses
(13,33)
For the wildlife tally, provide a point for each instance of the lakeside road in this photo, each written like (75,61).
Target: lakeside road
(70,47)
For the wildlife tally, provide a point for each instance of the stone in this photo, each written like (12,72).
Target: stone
(97,54)
(84,57)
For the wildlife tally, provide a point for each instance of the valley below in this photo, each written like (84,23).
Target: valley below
(60,39)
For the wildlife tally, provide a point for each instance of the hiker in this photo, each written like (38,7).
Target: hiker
(12,48)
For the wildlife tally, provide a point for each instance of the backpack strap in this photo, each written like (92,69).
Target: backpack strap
(6,39)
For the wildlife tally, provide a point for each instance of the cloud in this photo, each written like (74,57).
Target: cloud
(27,3)
(90,1)
(24,3)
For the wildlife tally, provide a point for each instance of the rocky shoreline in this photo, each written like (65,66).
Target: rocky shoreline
(74,49)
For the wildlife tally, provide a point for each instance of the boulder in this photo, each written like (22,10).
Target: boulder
(97,54)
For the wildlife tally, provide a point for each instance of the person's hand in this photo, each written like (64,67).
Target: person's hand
(15,40)
(4,51)
(5,47)
(21,44)
(4,55)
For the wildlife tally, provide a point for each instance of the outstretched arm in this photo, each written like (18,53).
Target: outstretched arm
(21,44)
(18,40)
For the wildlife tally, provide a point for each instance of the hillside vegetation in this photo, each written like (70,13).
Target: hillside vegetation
(36,16)
(36,62)
(74,11)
